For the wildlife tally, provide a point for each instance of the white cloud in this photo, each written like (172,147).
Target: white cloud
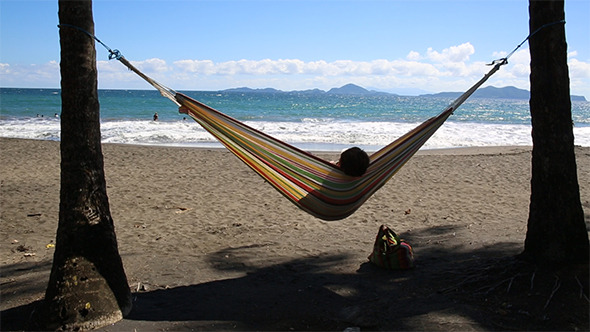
(153,65)
(43,75)
(109,66)
(521,57)
(205,67)
(435,70)
(297,67)
(4,68)
(520,70)
(415,68)
(458,53)
(413,56)
(579,69)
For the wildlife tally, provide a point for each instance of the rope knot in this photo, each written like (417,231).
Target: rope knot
(114,54)
(498,62)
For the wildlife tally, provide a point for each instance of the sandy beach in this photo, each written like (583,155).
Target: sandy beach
(208,245)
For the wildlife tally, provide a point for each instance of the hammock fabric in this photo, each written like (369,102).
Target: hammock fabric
(311,183)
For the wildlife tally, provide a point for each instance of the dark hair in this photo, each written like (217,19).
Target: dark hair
(354,161)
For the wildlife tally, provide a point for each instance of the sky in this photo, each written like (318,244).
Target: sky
(407,47)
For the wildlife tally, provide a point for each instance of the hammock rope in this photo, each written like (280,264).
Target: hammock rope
(311,183)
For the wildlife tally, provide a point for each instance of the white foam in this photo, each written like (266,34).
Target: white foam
(319,134)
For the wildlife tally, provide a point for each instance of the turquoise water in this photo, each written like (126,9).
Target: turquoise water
(327,121)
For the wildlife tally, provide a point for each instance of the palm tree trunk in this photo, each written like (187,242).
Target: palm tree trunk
(87,286)
(556,231)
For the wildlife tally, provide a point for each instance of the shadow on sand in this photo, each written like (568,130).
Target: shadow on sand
(450,289)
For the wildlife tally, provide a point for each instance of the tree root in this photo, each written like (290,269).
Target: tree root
(555,288)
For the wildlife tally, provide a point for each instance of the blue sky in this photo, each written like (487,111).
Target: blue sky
(402,46)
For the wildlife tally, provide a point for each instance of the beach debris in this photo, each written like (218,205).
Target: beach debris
(49,245)
(352,329)
(582,295)
(141,287)
(139,225)
(15,241)
(23,248)
(29,254)
(9,281)
(408,211)
(34,214)
(182,209)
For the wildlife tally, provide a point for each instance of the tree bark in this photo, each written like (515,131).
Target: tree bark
(87,286)
(556,231)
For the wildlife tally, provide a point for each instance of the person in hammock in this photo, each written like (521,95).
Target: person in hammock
(353,161)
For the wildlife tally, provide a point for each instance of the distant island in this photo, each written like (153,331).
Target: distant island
(489,92)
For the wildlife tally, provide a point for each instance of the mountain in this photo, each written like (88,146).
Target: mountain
(311,91)
(508,92)
(350,89)
(491,92)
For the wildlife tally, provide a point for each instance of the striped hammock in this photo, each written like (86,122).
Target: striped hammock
(311,183)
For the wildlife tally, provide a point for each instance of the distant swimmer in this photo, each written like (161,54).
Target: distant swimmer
(156,116)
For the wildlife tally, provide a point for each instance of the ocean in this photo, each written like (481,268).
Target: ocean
(314,122)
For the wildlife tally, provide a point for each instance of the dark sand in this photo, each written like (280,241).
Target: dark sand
(207,245)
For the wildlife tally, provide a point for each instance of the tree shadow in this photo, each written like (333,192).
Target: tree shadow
(278,297)
(451,288)
(26,278)
(22,280)
(311,294)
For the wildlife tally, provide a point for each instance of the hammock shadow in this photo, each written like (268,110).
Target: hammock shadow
(311,294)
(278,297)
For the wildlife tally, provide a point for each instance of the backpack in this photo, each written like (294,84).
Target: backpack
(391,252)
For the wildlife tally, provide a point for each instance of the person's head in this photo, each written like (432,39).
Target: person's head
(354,162)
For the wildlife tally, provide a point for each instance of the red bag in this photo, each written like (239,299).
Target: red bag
(391,252)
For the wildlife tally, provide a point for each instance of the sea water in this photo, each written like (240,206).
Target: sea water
(317,122)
